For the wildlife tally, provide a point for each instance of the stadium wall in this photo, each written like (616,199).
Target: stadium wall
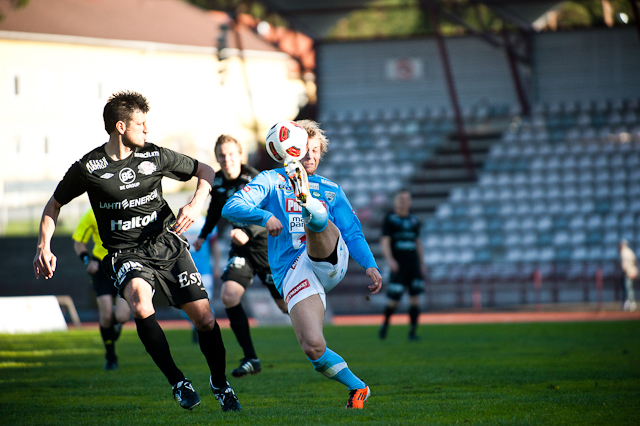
(597,64)
(592,64)
(18,278)
(369,75)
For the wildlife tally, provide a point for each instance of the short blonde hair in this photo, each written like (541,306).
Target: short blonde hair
(222,139)
(314,131)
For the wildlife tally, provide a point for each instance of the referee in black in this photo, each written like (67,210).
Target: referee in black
(143,237)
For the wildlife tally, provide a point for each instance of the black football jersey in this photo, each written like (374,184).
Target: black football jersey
(126,195)
(403,232)
(221,191)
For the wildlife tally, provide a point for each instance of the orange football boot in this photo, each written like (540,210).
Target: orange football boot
(357,397)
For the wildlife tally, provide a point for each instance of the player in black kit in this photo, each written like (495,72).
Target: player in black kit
(402,250)
(143,237)
(248,255)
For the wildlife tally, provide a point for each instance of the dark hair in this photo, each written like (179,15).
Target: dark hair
(222,139)
(121,106)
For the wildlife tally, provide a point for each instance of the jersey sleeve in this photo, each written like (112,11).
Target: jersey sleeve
(178,166)
(72,185)
(213,215)
(84,230)
(351,229)
(246,205)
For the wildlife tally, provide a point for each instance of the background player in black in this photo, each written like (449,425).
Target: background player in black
(403,252)
(142,235)
(248,255)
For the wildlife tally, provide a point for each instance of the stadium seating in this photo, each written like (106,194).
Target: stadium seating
(559,188)
(555,193)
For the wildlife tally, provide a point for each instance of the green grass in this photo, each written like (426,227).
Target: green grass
(505,374)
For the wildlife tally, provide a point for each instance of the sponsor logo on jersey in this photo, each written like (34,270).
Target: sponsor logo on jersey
(107,176)
(127,175)
(296,223)
(135,222)
(297,289)
(93,165)
(111,206)
(314,185)
(146,154)
(147,167)
(316,194)
(126,268)
(129,186)
(330,195)
(127,204)
(328,182)
(282,178)
(282,187)
(298,240)
(406,245)
(292,206)
(186,279)
(246,189)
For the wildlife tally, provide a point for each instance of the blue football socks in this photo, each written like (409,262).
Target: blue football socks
(334,367)
(315,215)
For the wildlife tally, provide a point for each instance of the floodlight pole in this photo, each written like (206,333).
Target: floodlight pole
(446,65)
(247,82)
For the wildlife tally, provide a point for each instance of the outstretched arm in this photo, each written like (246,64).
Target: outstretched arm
(44,263)
(189,212)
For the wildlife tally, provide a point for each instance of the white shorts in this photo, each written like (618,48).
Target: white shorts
(307,277)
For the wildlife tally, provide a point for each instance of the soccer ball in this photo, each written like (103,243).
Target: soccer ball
(287,139)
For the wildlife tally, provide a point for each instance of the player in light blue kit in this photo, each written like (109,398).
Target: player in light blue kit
(312,230)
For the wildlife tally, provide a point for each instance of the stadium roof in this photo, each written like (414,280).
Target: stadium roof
(316,18)
(159,21)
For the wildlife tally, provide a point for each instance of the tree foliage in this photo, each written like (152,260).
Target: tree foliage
(16,4)
(407,18)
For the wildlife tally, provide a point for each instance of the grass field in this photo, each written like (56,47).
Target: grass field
(503,374)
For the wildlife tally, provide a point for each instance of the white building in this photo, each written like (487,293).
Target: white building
(61,60)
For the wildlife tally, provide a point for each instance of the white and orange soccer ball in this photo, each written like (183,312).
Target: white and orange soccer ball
(287,139)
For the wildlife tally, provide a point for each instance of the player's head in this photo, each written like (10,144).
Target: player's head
(228,153)
(402,202)
(121,106)
(318,145)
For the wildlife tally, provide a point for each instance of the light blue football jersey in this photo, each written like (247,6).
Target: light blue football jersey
(270,194)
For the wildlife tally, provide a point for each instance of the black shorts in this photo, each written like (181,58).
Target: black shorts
(243,269)
(162,261)
(408,277)
(102,283)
